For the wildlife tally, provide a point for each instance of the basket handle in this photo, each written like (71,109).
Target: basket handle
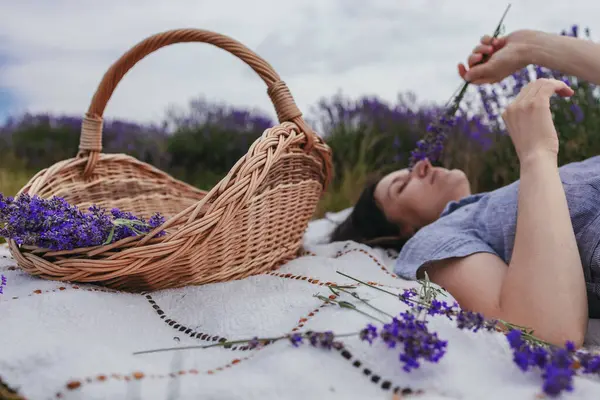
(91,130)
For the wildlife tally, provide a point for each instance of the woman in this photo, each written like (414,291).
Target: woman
(539,266)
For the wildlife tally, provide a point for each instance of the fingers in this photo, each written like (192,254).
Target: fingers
(474,59)
(543,89)
(483,49)
(478,53)
(486,39)
(462,70)
(553,86)
(479,74)
(487,47)
(497,42)
(565,92)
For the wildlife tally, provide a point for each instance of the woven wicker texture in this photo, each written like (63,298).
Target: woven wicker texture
(250,222)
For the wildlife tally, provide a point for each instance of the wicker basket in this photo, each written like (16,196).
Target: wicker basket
(252,221)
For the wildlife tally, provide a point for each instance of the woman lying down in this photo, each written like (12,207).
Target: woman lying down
(527,253)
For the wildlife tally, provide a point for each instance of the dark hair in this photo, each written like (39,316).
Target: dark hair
(368,224)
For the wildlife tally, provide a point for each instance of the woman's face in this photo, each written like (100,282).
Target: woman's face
(413,199)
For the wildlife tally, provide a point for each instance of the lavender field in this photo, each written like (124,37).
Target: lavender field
(368,136)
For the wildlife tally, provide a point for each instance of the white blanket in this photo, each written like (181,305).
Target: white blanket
(76,341)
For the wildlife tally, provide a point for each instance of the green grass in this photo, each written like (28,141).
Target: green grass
(350,179)
(12,181)
(345,193)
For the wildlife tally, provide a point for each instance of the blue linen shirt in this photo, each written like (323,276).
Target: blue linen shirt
(486,222)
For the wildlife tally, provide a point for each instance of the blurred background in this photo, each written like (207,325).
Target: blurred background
(369,77)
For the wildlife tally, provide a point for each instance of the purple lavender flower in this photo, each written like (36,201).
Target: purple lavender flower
(296,339)
(557,364)
(254,343)
(514,338)
(539,356)
(442,308)
(321,339)
(420,153)
(558,372)
(2,283)
(56,225)
(416,341)
(464,319)
(407,295)
(541,72)
(432,145)
(473,321)
(557,380)
(368,334)
(487,101)
(575,31)
(521,351)
(128,224)
(577,113)
(589,363)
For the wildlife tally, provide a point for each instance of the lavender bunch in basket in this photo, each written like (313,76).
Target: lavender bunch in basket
(432,144)
(55,224)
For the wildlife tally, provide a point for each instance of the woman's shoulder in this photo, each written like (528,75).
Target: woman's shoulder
(457,234)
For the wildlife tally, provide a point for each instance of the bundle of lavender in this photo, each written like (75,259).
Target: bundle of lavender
(432,144)
(54,224)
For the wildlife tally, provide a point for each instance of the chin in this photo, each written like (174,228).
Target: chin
(459,174)
(458,179)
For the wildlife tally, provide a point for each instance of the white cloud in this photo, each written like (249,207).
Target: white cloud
(61,49)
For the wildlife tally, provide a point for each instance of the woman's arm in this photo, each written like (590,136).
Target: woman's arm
(569,55)
(543,287)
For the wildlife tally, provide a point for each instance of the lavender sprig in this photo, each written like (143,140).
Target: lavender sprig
(324,340)
(356,296)
(2,283)
(432,144)
(345,304)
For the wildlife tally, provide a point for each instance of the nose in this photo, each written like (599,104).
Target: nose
(422,168)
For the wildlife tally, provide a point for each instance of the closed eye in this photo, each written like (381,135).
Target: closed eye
(398,188)
(403,185)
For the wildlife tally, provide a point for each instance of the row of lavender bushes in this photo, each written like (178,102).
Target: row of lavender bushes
(368,136)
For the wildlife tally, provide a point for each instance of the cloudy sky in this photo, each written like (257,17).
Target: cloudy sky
(53,53)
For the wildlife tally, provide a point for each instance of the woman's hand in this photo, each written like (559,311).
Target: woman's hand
(508,54)
(505,55)
(529,120)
